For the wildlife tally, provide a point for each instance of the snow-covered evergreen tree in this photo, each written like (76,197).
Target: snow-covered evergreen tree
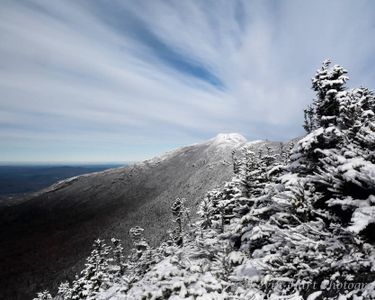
(251,178)
(329,84)
(140,244)
(338,154)
(181,217)
(64,291)
(310,119)
(205,212)
(45,295)
(96,276)
(236,162)
(118,256)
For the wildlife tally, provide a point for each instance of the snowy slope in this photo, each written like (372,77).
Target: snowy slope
(294,222)
(64,219)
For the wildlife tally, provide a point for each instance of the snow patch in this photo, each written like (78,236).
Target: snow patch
(228,139)
(362,217)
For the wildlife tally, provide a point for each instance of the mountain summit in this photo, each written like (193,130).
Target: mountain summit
(229,138)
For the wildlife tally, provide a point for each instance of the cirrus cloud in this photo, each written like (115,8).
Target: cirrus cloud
(125,80)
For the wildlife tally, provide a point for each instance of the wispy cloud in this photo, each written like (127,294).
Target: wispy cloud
(123,80)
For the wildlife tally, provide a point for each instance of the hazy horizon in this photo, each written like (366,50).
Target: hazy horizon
(16,179)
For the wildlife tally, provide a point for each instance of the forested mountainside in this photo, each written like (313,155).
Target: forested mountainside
(294,225)
(46,236)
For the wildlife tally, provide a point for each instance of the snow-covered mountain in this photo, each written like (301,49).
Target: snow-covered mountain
(50,233)
(293,224)
(249,220)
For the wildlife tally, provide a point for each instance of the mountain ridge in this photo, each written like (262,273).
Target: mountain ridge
(66,217)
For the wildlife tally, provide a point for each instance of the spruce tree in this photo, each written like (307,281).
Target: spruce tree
(254,173)
(140,244)
(118,256)
(338,154)
(96,276)
(205,213)
(45,295)
(235,162)
(325,131)
(328,83)
(64,291)
(180,215)
(310,120)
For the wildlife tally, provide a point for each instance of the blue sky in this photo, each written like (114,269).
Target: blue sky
(106,81)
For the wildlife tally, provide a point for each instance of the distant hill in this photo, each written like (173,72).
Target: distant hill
(20,179)
(46,236)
